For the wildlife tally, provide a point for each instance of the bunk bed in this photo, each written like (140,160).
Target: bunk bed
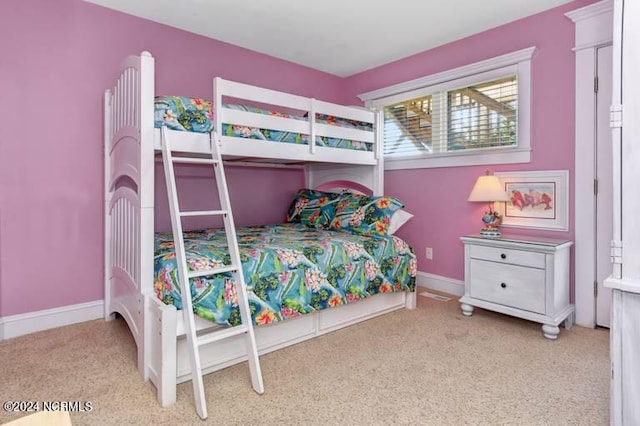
(132,140)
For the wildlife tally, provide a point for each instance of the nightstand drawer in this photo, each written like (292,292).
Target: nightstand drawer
(510,256)
(516,286)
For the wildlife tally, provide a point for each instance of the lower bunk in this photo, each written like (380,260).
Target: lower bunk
(169,359)
(294,273)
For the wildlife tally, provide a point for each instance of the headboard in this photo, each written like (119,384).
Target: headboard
(326,177)
(344,186)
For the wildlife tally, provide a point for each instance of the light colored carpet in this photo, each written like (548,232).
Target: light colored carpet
(430,366)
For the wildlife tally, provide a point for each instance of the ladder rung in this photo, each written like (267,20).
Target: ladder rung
(223,334)
(205,272)
(204,213)
(194,160)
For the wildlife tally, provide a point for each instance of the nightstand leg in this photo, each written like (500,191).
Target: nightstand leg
(467,310)
(550,331)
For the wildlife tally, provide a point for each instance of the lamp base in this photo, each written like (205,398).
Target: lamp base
(490,231)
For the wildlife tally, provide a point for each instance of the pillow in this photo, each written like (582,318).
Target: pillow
(343,122)
(183,113)
(399,218)
(308,205)
(364,215)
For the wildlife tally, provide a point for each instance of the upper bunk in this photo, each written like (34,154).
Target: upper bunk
(249,123)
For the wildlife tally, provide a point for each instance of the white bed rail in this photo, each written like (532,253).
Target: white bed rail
(287,102)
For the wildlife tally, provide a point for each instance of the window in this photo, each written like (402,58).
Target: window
(477,114)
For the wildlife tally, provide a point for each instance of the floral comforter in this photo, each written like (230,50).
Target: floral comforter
(196,115)
(290,270)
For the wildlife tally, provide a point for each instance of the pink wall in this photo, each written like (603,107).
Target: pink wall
(258,195)
(438,196)
(57,59)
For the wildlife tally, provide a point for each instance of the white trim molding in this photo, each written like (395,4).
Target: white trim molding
(593,28)
(440,283)
(19,325)
(590,11)
(462,158)
(454,74)
(593,24)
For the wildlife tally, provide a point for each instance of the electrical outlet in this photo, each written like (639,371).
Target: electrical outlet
(429,253)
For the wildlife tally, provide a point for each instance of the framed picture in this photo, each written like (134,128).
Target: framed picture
(536,199)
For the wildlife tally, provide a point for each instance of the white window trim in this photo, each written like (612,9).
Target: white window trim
(518,62)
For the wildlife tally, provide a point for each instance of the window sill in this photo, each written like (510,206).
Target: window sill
(511,156)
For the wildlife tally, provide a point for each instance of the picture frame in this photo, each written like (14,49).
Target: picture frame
(537,199)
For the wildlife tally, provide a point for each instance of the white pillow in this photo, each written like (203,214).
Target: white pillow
(399,218)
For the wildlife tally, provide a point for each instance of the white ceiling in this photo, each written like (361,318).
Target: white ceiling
(341,37)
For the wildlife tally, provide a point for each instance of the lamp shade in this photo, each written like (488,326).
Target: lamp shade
(488,188)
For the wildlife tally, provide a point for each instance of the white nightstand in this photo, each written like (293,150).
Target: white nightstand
(526,277)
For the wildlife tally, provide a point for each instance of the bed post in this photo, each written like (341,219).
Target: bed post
(378,174)
(168,352)
(371,176)
(147,196)
(410,303)
(378,184)
(108,315)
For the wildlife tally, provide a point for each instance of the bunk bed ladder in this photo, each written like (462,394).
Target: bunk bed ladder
(194,340)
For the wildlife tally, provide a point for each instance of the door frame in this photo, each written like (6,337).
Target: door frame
(593,29)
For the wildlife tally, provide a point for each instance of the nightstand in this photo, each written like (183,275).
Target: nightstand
(526,277)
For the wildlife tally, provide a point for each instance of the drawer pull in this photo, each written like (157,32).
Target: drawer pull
(503,256)
(503,285)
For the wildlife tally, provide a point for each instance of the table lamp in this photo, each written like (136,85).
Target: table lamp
(489,189)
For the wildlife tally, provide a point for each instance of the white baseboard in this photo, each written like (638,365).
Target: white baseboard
(440,283)
(19,325)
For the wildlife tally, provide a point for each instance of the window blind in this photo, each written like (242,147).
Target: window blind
(479,116)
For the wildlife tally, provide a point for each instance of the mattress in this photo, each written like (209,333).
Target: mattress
(290,270)
(196,115)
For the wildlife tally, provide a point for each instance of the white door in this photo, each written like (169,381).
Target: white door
(604,177)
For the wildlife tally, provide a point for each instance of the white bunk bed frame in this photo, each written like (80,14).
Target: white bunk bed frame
(131,142)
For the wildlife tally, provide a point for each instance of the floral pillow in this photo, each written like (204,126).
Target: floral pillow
(364,215)
(183,113)
(313,208)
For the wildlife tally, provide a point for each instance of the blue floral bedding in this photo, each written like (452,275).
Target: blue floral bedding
(196,115)
(290,270)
